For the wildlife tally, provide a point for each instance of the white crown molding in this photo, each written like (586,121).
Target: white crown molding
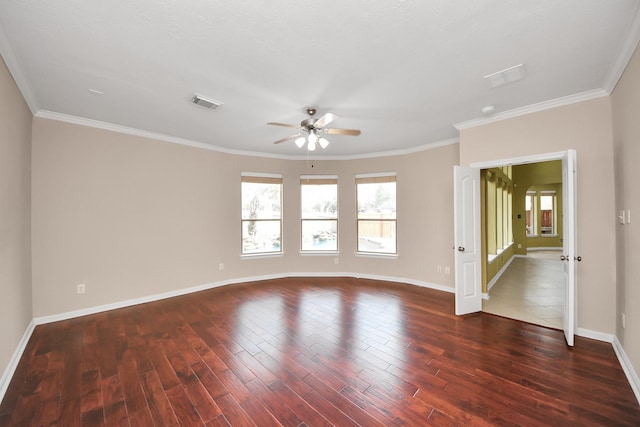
(8,54)
(624,54)
(402,152)
(82,121)
(533,108)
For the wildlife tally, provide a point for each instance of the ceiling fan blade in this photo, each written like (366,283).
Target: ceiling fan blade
(280,141)
(353,132)
(325,120)
(283,124)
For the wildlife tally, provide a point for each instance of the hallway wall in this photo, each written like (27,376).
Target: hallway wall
(15,217)
(626,126)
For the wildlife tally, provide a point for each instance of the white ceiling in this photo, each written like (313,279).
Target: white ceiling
(402,71)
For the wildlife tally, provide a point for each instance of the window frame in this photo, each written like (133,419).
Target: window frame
(554,212)
(371,178)
(534,213)
(319,180)
(261,178)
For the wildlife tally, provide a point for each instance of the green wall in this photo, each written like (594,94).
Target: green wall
(542,176)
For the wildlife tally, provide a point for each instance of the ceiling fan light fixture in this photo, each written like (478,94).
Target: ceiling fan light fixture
(312,131)
(312,137)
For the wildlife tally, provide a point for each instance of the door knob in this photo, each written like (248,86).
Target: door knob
(461,248)
(564,258)
(578,258)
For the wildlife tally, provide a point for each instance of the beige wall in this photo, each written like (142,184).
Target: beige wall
(15,217)
(131,217)
(626,126)
(587,128)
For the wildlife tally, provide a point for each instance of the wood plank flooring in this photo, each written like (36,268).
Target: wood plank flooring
(312,352)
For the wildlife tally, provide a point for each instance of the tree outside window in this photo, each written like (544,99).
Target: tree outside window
(261,214)
(319,213)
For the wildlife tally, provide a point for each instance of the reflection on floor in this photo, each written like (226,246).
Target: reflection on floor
(530,290)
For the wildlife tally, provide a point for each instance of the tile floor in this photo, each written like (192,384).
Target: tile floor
(531,289)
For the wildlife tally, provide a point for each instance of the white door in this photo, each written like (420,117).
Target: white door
(569,257)
(466,211)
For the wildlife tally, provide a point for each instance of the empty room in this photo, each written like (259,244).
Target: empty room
(319,213)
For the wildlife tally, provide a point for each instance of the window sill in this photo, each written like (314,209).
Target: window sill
(548,235)
(533,235)
(492,257)
(320,253)
(376,255)
(262,255)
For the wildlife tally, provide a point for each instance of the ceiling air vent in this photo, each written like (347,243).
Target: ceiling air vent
(508,75)
(205,102)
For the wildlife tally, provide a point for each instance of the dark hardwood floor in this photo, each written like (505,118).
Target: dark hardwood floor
(310,352)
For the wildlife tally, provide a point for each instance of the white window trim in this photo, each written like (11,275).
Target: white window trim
(377,254)
(375,175)
(279,253)
(261,175)
(337,219)
(319,253)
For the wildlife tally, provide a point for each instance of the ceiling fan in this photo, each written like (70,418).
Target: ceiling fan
(312,129)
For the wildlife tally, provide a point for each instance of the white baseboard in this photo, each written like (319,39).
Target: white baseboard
(498,274)
(627,367)
(541,248)
(157,297)
(594,335)
(13,362)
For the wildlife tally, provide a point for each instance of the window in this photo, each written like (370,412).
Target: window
(376,216)
(319,213)
(530,212)
(547,212)
(498,213)
(261,214)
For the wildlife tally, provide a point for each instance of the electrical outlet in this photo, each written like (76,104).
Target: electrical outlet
(628,216)
(221,266)
(81,288)
(336,261)
(439,269)
(447,270)
(519,245)
(624,321)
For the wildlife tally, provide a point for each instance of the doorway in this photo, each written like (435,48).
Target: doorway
(467,239)
(523,277)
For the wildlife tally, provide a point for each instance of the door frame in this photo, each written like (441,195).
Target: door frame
(535,158)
